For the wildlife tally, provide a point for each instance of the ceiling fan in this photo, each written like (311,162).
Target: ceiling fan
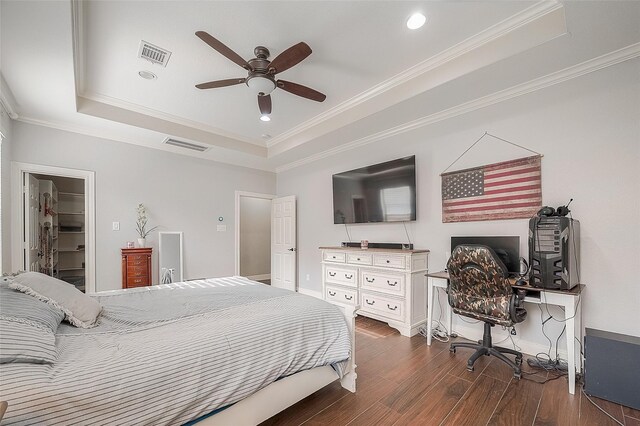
(261,72)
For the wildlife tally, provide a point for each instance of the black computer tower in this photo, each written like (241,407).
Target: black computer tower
(554,252)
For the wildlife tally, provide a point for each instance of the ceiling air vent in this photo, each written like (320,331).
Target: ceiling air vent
(154,54)
(187,145)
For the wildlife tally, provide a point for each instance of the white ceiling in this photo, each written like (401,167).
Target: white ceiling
(356,45)
(375,72)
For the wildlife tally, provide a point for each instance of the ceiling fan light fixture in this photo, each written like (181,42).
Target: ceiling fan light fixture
(260,84)
(265,117)
(416,21)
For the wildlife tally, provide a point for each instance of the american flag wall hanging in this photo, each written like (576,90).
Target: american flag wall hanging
(508,190)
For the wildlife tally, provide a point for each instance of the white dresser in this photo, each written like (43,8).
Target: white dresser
(389,285)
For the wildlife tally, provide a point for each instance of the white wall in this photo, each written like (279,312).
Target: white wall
(181,194)
(6,127)
(255,236)
(589,132)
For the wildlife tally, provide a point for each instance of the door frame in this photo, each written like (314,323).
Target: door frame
(18,169)
(240,194)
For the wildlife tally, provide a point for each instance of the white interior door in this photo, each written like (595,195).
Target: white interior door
(283,243)
(31,223)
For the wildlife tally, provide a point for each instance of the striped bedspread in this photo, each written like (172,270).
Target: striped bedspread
(172,353)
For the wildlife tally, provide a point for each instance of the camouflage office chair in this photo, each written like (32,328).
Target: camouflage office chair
(479,289)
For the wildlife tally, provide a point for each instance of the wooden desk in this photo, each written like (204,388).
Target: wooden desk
(565,299)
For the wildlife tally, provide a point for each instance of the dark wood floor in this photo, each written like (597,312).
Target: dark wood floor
(403,381)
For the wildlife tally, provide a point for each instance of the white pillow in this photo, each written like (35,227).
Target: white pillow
(79,309)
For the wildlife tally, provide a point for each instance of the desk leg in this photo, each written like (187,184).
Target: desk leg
(578,331)
(429,309)
(570,312)
(449,316)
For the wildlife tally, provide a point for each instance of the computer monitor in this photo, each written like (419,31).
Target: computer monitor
(507,248)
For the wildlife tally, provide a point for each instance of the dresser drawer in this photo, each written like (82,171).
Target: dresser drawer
(137,282)
(334,256)
(360,259)
(341,276)
(389,260)
(341,295)
(381,305)
(136,260)
(386,282)
(136,271)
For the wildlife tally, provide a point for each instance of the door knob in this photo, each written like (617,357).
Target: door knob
(292,249)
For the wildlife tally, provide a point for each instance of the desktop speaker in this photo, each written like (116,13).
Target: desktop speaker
(554,252)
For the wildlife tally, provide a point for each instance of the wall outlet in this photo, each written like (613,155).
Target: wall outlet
(308,277)
(221,228)
(115,226)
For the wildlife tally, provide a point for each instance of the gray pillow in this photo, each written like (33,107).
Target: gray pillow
(79,309)
(27,328)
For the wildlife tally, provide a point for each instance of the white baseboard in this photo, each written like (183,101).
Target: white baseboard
(308,292)
(497,335)
(260,277)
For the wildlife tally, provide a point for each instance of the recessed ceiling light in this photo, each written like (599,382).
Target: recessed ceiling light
(265,117)
(416,20)
(147,75)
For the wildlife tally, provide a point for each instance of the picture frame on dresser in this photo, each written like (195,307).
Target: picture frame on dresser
(390,285)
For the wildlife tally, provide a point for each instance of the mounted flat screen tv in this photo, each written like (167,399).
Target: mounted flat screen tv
(384,192)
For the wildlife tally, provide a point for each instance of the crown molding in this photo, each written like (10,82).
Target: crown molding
(126,116)
(7,100)
(485,36)
(119,103)
(102,134)
(558,77)
(77,30)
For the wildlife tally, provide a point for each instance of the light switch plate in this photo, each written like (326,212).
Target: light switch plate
(115,226)
(221,228)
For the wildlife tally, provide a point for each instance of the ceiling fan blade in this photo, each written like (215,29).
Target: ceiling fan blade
(300,90)
(264,103)
(222,49)
(220,83)
(290,57)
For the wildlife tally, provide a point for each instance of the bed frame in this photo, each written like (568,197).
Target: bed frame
(282,394)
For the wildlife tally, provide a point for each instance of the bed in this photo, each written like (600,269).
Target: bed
(215,351)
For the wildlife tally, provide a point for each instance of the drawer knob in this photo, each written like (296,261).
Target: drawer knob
(369,303)
(369,280)
(392,284)
(348,297)
(332,293)
(348,276)
(332,274)
(390,308)
(388,261)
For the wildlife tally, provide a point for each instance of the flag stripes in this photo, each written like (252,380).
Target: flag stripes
(506,190)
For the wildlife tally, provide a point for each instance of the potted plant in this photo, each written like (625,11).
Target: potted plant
(141,225)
